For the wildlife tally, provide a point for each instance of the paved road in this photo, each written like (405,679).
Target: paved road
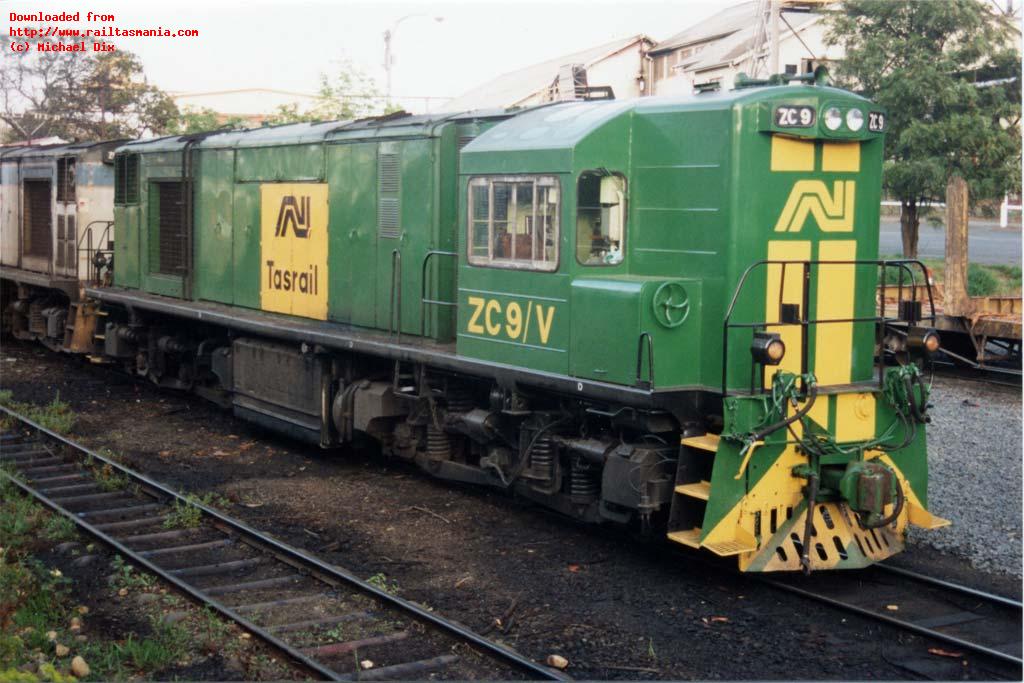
(988,243)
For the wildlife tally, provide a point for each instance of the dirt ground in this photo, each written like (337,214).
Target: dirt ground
(614,608)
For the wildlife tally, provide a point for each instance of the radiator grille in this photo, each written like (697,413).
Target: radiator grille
(38,220)
(170,236)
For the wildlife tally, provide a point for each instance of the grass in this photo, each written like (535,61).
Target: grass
(982,279)
(36,599)
(56,415)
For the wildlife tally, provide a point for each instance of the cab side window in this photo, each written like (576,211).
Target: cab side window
(600,218)
(513,222)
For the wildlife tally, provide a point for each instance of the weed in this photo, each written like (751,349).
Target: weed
(212,630)
(56,416)
(59,528)
(109,479)
(125,575)
(185,515)
(381,581)
(152,654)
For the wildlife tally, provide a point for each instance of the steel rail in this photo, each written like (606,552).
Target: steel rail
(294,556)
(951,585)
(893,621)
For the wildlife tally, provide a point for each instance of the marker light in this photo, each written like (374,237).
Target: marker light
(854,119)
(767,348)
(833,118)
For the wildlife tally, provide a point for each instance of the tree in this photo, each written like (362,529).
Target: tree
(347,94)
(80,95)
(193,120)
(949,78)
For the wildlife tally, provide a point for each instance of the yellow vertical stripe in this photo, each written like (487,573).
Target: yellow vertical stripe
(834,341)
(792,155)
(792,293)
(840,157)
(855,417)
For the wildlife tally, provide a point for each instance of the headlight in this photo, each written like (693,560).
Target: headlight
(833,118)
(767,348)
(854,119)
(923,339)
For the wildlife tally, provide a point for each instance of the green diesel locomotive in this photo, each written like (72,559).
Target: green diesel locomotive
(660,313)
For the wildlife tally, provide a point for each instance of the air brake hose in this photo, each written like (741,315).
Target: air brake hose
(920,413)
(805,550)
(812,395)
(756,439)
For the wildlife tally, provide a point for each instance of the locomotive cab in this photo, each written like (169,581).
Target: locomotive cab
(720,252)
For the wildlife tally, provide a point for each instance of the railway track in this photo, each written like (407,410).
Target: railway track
(964,619)
(322,617)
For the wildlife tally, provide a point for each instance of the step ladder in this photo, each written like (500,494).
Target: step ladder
(692,492)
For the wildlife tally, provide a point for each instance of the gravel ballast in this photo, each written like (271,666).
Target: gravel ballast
(975,451)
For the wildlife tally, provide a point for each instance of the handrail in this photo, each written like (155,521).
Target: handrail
(396,292)
(805,321)
(88,248)
(649,383)
(423,289)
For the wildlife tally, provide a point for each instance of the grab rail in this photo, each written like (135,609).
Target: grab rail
(396,292)
(649,382)
(88,247)
(423,289)
(804,321)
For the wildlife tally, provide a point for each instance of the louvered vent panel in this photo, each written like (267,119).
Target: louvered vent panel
(72,236)
(38,221)
(171,236)
(465,140)
(60,241)
(387,173)
(119,179)
(131,175)
(70,181)
(387,217)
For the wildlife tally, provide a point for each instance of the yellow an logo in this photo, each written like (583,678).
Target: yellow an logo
(833,213)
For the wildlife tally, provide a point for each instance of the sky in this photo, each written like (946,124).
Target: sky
(286,45)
